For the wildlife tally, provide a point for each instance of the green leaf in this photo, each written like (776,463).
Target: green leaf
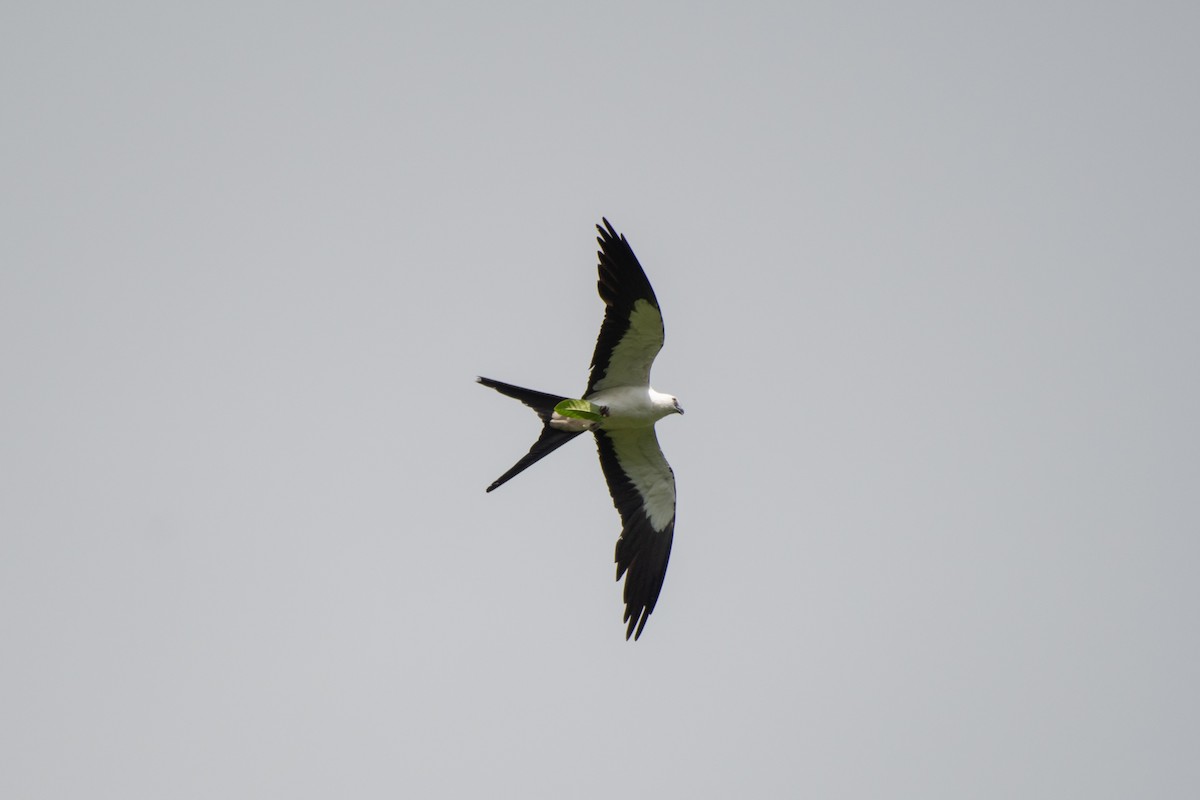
(579,409)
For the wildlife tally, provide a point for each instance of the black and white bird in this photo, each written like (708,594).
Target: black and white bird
(620,409)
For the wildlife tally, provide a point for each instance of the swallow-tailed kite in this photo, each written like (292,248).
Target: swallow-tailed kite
(620,408)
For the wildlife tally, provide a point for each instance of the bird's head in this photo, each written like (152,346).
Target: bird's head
(664,404)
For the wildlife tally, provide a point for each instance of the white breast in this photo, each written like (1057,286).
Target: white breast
(631,407)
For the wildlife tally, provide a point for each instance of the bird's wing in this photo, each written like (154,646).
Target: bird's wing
(642,486)
(632,332)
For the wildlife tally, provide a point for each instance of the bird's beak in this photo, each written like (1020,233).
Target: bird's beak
(678,407)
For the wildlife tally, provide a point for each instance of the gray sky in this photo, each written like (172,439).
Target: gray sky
(930,281)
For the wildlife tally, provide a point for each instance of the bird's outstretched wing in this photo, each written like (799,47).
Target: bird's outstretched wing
(642,486)
(632,332)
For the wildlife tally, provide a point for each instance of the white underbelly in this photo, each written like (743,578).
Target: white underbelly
(627,407)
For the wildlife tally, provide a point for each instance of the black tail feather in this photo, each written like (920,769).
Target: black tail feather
(551,439)
(547,443)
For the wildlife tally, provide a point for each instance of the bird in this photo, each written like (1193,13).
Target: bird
(620,409)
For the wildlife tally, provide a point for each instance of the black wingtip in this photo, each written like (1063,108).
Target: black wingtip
(638,622)
(607,233)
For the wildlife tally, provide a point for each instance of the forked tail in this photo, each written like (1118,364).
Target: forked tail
(551,439)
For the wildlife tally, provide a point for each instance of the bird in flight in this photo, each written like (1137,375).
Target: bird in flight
(620,409)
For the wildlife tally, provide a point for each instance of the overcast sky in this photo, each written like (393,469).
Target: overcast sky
(931,286)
